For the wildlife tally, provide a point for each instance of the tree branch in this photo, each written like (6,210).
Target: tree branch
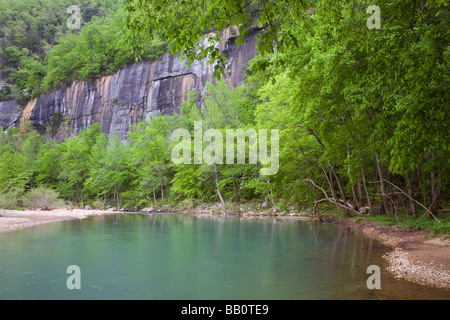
(332,200)
(426,209)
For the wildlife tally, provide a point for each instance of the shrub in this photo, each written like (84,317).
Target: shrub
(41,198)
(10,194)
(8,201)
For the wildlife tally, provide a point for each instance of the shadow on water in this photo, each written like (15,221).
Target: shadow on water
(174,256)
(145,212)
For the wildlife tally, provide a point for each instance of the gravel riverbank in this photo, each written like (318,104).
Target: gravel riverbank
(415,256)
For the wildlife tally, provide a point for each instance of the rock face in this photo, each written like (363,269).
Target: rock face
(10,112)
(138,91)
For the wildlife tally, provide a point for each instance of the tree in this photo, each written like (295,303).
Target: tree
(183,24)
(76,153)
(108,174)
(150,154)
(223,109)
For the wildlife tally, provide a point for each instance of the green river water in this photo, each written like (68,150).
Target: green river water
(172,256)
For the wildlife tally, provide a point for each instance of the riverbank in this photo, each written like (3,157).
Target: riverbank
(415,256)
(16,219)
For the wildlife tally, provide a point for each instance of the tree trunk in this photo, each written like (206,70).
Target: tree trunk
(330,183)
(154,193)
(369,203)
(340,190)
(217,184)
(432,182)
(164,179)
(412,204)
(161,184)
(419,178)
(434,207)
(316,205)
(355,198)
(382,187)
(271,193)
(360,194)
(116,195)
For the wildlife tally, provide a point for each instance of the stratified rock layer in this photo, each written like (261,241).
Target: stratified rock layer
(10,112)
(138,91)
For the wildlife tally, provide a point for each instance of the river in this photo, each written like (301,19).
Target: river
(173,256)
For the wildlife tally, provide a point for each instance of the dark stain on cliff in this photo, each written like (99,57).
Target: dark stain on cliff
(138,91)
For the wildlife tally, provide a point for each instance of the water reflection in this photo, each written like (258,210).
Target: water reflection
(154,256)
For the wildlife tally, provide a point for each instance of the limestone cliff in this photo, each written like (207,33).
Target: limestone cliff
(10,112)
(137,91)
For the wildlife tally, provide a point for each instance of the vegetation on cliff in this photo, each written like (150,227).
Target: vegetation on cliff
(362,112)
(38,51)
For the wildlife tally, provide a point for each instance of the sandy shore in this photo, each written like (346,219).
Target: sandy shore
(12,220)
(415,256)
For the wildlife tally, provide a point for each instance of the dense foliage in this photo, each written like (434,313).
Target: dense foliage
(38,52)
(363,113)
(98,170)
(362,110)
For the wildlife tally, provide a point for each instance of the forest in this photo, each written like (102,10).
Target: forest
(38,52)
(363,113)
